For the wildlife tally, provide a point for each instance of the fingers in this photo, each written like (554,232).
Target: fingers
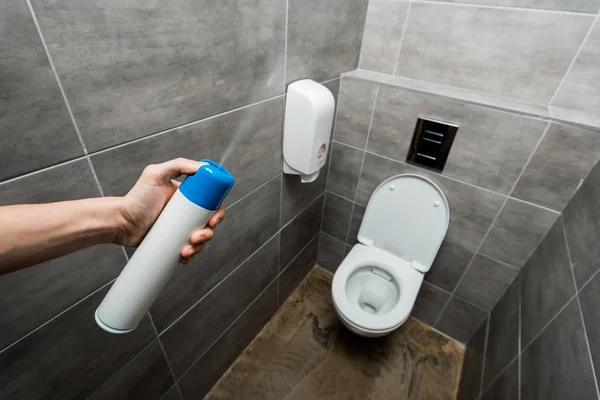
(217,217)
(175,168)
(189,251)
(201,236)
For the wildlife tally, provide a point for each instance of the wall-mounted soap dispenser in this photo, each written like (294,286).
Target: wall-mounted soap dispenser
(309,112)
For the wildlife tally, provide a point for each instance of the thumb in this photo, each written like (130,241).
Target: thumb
(177,167)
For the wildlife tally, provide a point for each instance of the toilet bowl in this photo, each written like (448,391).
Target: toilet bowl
(375,287)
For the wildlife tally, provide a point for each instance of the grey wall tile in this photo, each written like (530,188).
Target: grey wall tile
(248,225)
(355,108)
(514,53)
(192,335)
(334,87)
(331,252)
(449,265)
(430,303)
(516,233)
(300,231)
(382,36)
(470,377)
(298,195)
(253,158)
(590,6)
(472,209)
(557,364)
(36,127)
(171,394)
(461,320)
(588,298)
(200,379)
(130,71)
(579,90)
(295,272)
(336,216)
(582,228)
(69,357)
(506,387)
(147,376)
(344,170)
(490,149)
(65,280)
(357,216)
(546,284)
(324,37)
(503,337)
(485,281)
(375,170)
(565,156)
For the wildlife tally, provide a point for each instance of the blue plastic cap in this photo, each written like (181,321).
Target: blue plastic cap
(208,186)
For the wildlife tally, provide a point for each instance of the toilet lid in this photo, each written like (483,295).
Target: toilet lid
(407,216)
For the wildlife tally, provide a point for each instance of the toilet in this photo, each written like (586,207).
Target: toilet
(375,287)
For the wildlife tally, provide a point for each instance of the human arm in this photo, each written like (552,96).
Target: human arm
(34,233)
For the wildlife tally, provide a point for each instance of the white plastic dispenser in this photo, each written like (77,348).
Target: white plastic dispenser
(157,258)
(309,112)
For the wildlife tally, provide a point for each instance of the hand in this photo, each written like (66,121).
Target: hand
(142,205)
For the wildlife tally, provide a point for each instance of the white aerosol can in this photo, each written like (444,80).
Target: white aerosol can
(158,256)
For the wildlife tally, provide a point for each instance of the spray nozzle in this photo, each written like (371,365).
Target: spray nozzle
(208,186)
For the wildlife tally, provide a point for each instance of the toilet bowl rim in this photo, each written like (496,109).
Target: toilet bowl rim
(409,281)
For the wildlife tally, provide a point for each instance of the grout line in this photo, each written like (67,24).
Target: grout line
(389,81)
(362,163)
(362,38)
(484,390)
(535,149)
(95,176)
(186,125)
(93,153)
(285,48)
(162,348)
(253,191)
(442,176)
(279,231)
(564,78)
(224,332)
(587,341)
(47,168)
(329,80)
(218,284)
(304,209)
(57,315)
(125,253)
(402,38)
(340,196)
(300,252)
(488,323)
(121,369)
(472,260)
(523,9)
(54,71)
(519,341)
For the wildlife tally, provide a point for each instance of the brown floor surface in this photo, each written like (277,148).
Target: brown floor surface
(305,352)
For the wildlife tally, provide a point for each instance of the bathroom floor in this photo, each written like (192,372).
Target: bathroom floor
(304,352)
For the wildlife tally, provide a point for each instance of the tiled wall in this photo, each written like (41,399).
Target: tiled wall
(543,336)
(543,52)
(93,92)
(507,178)
(521,79)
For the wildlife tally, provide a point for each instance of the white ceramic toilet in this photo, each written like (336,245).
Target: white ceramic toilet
(374,289)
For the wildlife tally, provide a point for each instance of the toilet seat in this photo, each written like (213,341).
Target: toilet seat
(406,278)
